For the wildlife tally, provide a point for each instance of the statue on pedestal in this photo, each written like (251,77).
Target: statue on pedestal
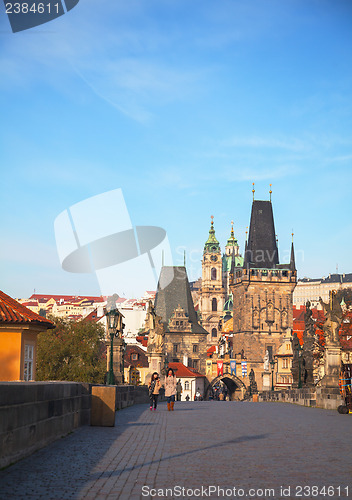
(333,318)
(156,331)
(308,347)
(252,382)
(297,362)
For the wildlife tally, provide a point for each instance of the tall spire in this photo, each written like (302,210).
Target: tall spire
(292,260)
(253,190)
(262,246)
(270,192)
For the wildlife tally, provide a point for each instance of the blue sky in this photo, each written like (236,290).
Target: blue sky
(181,104)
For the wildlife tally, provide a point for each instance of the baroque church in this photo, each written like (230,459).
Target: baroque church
(215,301)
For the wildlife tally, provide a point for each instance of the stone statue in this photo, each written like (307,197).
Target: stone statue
(156,331)
(308,347)
(333,318)
(266,361)
(252,382)
(296,369)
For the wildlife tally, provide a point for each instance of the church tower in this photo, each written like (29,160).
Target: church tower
(230,258)
(212,293)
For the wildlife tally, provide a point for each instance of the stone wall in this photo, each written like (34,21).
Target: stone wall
(33,414)
(319,397)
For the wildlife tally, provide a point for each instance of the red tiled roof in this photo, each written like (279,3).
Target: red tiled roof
(211,350)
(30,303)
(93,316)
(141,362)
(142,340)
(12,311)
(57,298)
(184,371)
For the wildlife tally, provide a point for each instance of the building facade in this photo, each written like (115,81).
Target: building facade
(185,340)
(313,289)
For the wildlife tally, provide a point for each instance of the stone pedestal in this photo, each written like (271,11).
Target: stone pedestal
(332,365)
(119,350)
(103,406)
(266,381)
(118,353)
(156,364)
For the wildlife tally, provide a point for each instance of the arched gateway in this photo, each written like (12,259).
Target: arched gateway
(235,386)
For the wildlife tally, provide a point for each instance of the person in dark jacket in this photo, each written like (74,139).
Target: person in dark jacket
(154,388)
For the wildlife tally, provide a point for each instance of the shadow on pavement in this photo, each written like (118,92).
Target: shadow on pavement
(240,439)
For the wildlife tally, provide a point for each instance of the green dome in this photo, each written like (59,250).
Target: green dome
(212,244)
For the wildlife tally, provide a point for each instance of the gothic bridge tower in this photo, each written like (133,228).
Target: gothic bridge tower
(212,293)
(262,291)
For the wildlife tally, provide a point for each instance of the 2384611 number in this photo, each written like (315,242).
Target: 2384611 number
(34,8)
(320,491)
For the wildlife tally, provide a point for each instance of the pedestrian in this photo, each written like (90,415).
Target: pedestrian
(154,387)
(170,389)
(178,390)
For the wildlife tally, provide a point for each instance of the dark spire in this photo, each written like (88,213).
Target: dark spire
(292,261)
(262,248)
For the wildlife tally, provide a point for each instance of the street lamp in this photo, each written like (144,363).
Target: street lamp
(272,362)
(113,319)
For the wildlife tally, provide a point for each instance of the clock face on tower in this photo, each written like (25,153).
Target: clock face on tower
(214,258)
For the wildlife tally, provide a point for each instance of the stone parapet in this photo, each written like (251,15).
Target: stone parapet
(34,414)
(328,398)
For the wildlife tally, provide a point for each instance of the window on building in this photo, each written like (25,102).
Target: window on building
(28,362)
(213,273)
(214,332)
(196,364)
(285,363)
(214,304)
(195,347)
(186,385)
(134,356)
(176,346)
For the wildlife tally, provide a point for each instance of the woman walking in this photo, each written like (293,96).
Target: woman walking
(170,389)
(154,387)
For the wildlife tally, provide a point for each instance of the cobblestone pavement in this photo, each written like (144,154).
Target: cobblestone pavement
(242,445)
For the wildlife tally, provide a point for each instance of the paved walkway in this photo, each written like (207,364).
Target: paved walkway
(242,445)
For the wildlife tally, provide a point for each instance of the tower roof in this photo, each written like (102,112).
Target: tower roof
(292,260)
(212,242)
(262,248)
(232,240)
(173,291)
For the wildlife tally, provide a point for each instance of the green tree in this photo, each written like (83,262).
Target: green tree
(73,351)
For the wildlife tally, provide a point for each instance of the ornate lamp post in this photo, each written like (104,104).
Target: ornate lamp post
(272,362)
(115,326)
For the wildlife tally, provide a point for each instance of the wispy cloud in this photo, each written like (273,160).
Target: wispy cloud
(290,143)
(125,65)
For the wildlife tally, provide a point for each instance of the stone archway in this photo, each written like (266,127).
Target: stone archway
(234,385)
